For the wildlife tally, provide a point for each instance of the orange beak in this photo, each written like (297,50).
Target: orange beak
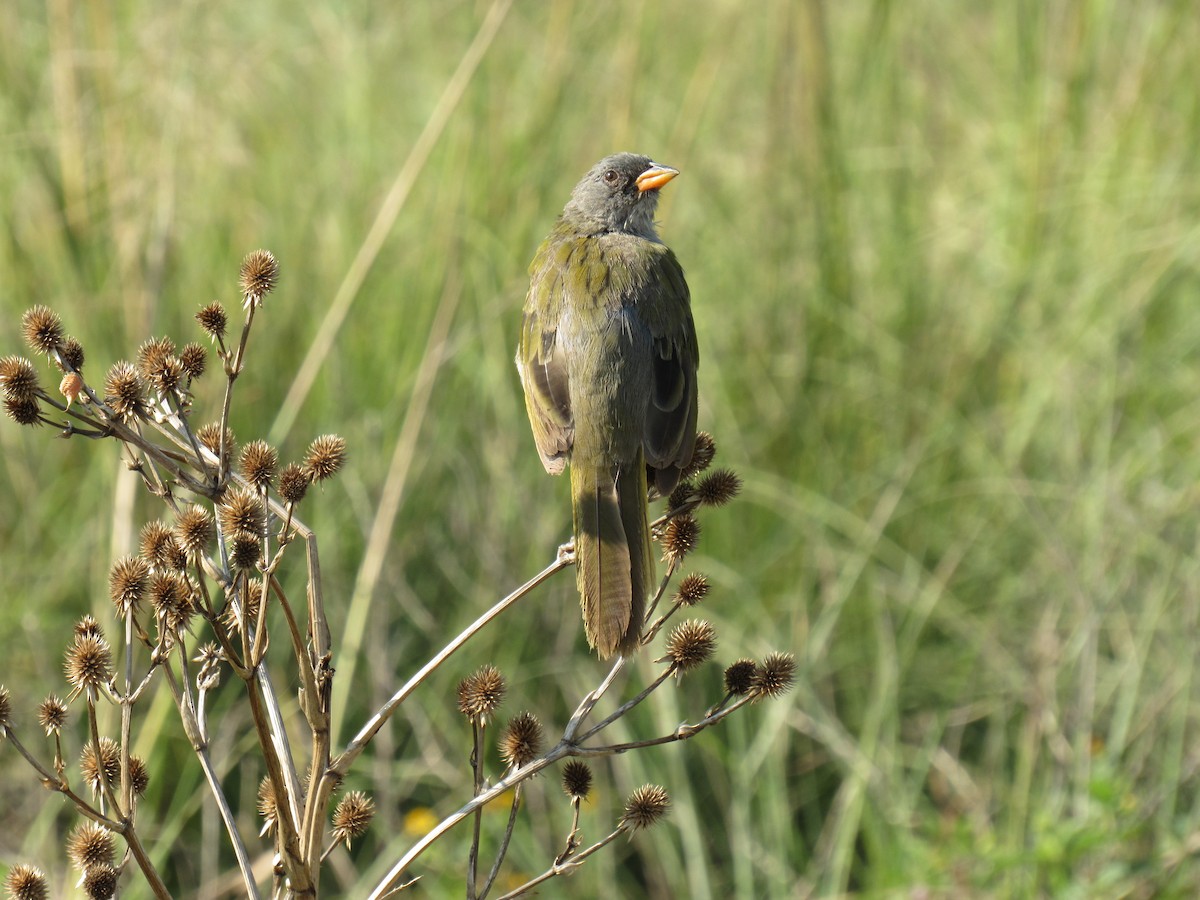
(655,177)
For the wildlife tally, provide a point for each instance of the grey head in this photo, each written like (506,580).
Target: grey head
(618,194)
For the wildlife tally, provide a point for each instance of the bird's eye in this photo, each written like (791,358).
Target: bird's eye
(612,176)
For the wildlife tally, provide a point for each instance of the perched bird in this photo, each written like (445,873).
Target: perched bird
(608,360)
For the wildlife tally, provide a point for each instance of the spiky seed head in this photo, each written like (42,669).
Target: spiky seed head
(100,882)
(293,483)
(521,741)
(70,387)
(157,543)
(775,676)
(689,644)
(645,806)
(693,588)
(168,376)
(90,845)
(18,378)
(23,411)
(245,550)
(25,882)
(124,391)
(153,354)
(88,663)
(139,775)
(196,529)
(127,582)
(739,677)
(684,491)
(680,536)
(718,487)
(171,597)
(213,320)
(260,272)
(352,817)
(258,462)
(251,604)
(108,760)
(52,715)
(325,456)
(702,455)
(88,626)
(210,437)
(70,355)
(194,358)
(480,693)
(242,510)
(5,708)
(267,809)
(577,779)
(43,329)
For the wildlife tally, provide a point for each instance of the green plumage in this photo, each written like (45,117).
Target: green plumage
(608,361)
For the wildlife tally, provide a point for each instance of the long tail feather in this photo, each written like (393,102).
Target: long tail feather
(602,558)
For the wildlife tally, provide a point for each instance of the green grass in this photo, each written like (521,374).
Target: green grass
(944,262)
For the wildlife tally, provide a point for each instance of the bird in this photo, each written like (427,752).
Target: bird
(607,360)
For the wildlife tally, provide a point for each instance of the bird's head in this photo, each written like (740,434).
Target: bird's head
(619,193)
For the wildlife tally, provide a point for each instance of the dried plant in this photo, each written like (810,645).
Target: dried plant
(192,607)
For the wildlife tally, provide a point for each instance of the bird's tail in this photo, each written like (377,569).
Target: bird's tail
(613,555)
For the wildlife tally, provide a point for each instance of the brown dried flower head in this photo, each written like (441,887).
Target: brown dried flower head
(480,693)
(23,411)
(352,817)
(88,626)
(88,663)
(293,483)
(124,391)
(194,358)
(702,456)
(718,487)
(108,761)
(242,510)
(775,676)
(260,272)
(209,436)
(645,806)
(70,355)
(100,882)
(90,845)
(521,741)
(684,491)
(258,462)
(5,707)
(52,715)
(245,550)
(689,644)
(171,597)
(251,604)
(577,779)
(43,329)
(18,378)
(213,320)
(739,677)
(153,354)
(325,456)
(680,536)
(158,544)
(266,805)
(26,883)
(195,530)
(139,775)
(70,387)
(169,375)
(693,588)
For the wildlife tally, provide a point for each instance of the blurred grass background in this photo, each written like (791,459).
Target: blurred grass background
(944,263)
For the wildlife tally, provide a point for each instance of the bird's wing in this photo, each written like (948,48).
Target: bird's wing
(543,369)
(669,434)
